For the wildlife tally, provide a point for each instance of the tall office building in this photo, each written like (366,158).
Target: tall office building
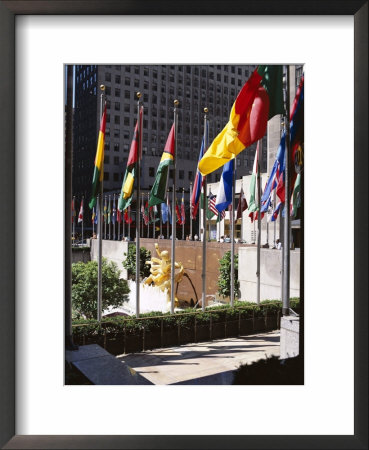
(212,86)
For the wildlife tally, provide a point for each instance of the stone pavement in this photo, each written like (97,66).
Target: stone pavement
(202,363)
(102,368)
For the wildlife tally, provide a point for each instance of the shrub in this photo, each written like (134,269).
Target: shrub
(84,288)
(224,282)
(130,262)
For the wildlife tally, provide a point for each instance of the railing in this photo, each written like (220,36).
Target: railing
(124,341)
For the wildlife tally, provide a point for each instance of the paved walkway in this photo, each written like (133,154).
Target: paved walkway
(202,363)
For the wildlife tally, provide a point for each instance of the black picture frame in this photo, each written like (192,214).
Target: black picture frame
(8,11)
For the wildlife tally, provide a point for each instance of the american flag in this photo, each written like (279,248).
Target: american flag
(211,203)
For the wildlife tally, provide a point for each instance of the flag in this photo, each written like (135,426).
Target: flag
(119,216)
(159,189)
(295,197)
(93,215)
(259,100)
(183,212)
(224,196)
(179,219)
(197,186)
(212,210)
(169,210)
(105,211)
(164,212)
(98,175)
(125,197)
(73,210)
(145,212)
(274,216)
(80,214)
(114,216)
(221,216)
(242,205)
(252,203)
(97,213)
(109,210)
(127,216)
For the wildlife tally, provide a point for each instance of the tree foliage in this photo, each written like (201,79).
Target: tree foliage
(224,282)
(84,288)
(130,262)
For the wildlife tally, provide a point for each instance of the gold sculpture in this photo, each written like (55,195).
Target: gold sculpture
(161,272)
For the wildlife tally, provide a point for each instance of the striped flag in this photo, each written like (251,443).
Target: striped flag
(98,175)
(211,205)
(80,214)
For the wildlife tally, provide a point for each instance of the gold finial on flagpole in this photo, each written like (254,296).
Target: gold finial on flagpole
(102,87)
(206,110)
(176,102)
(138,95)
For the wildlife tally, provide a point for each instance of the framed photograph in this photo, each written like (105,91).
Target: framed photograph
(37,40)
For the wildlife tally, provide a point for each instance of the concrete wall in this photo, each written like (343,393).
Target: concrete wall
(81,255)
(270,270)
(112,250)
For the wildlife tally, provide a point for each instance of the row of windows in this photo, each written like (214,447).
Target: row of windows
(187,69)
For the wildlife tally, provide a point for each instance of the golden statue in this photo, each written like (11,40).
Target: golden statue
(161,272)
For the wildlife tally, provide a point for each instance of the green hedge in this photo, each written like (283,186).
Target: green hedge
(113,326)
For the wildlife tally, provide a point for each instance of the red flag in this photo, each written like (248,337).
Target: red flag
(178,214)
(242,205)
(127,217)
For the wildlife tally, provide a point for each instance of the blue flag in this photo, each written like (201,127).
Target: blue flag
(164,212)
(224,196)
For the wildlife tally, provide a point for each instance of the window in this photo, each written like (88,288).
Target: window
(126,134)
(107,146)
(181,174)
(116,147)
(137,83)
(125,147)
(127,95)
(107,76)
(107,90)
(117,79)
(126,121)
(127,108)
(128,69)
(151,172)
(117,120)
(117,92)
(106,176)
(137,70)
(116,132)
(190,175)
(106,159)
(117,106)
(127,81)
(116,160)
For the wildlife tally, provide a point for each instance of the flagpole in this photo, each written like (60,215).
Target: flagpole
(74,220)
(191,211)
(105,216)
(174,222)
(275,221)
(168,221)
(183,225)
(124,226)
(83,213)
(203,300)
(260,145)
(232,231)
(93,225)
(114,216)
(109,217)
(129,222)
(286,223)
(153,222)
(138,188)
(120,215)
(99,226)
(148,216)
(161,223)
(142,206)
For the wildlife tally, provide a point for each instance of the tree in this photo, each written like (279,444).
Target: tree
(84,288)
(130,262)
(224,282)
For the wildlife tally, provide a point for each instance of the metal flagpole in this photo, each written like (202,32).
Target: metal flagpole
(109,216)
(120,217)
(124,225)
(74,220)
(148,216)
(232,231)
(153,222)
(183,225)
(93,224)
(138,188)
(99,226)
(174,224)
(191,237)
(203,300)
(83,214)
(287,219)
(129,221)
(142,205)
(161,223)
(105,216)
(114,216)
(168,221)
(275,221)
(260,144)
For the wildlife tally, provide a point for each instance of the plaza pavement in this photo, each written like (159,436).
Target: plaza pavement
(201,363)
